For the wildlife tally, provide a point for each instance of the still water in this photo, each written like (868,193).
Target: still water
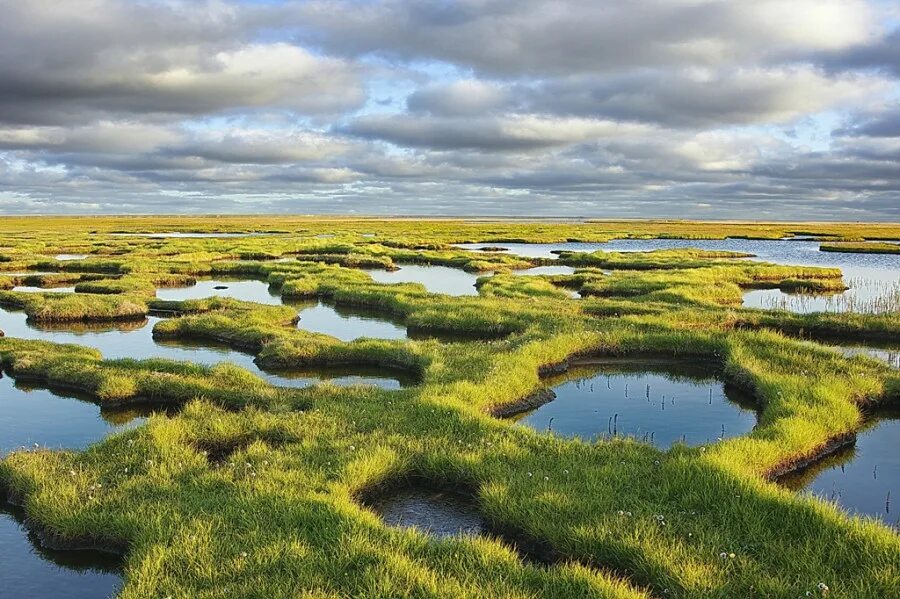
(874,279)
(864,478)
(657,402)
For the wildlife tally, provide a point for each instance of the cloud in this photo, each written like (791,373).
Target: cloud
(514,133)
(535,37)
(66,61)
(681,108)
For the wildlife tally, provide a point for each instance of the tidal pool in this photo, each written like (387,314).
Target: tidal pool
(546,270)
(239,289)
(29,570)
(440,513)
(435,279)
(69,257)
(864,478)
(889,354)
(874,279)
(348,323)
(31,416)
(658,402)
(135,340)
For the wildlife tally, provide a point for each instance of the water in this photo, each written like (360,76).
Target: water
(546,270)
(135,340)
(347,323)
(69,257)
(29,416)
(657,402)
(863,479)
(874,279)
(436,279)
(888,354)
(28,570)
(801,303)
(239,289)
(32,415)
(535,250)
(435,512)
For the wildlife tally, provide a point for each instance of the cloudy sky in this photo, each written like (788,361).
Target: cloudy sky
(770,109)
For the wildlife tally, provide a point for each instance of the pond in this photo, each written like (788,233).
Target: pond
(348,323)
(874,279)
(658,402)
(546,271)
(135,340)
(29,416)
(29,570)
(435,279)
(864,478)
(889,354)
(239,289)
(441,513)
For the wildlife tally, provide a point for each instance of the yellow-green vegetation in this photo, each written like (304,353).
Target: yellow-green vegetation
(871,247)
(252,490)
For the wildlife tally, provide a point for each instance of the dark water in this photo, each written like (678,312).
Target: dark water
(863,479)
(33,415)
(657,402)
(28,570)
(438,513)
(135,340)
(29,416)
(436,279)
(874,279)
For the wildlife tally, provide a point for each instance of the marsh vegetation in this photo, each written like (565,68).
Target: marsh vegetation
(220,401)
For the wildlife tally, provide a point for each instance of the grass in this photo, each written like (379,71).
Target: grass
(250,490)
(861,248)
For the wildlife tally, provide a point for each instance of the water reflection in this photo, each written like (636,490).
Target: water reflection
(31,416)
(239,289)
(29,570)
(135,340)
(657,402)
(874,279)
(348,323)
(436,279)
(439,513)
(864,478)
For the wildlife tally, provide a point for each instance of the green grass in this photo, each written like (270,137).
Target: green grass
(250,490)
(861,248)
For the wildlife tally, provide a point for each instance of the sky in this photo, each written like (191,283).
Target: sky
(706,109)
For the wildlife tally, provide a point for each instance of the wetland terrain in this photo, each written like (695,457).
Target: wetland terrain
(326,408)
